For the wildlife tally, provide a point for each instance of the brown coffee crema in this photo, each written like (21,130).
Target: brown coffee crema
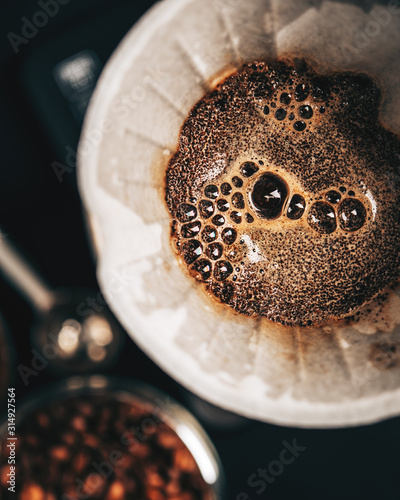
(285,194)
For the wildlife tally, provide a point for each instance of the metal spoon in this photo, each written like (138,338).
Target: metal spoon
(74,332)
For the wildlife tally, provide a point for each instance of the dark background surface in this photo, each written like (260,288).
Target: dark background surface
(43,217)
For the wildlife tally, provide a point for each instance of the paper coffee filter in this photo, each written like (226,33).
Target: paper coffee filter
(312,378)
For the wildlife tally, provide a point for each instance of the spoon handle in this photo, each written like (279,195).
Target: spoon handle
(24,278)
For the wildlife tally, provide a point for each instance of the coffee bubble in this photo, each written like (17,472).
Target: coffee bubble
(191,230)
(203,269)
(285,98)
(237,182)
(299,126)
(206,209)
(352,215)
(236,217)
(249,168)
(211,192)
(218,220)
(296,207)
(321,88)
(191,251)
(269,195)
(215,251)
(280,114)
(223,205)
(306,112)
(229,236)
(238,201)
(249,218)
(226,189)
(209,234)
(322,218)
(333,197)
(186,212)
(301,92)
(222,271)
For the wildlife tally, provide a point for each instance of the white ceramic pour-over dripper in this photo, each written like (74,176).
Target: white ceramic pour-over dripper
(176,53)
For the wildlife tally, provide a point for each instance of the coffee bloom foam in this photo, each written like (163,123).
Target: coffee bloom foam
(285,193)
